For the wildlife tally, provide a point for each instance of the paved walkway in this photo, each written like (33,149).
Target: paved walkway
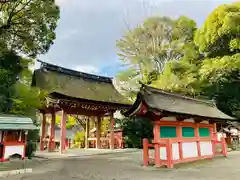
(128,166)
(80,153)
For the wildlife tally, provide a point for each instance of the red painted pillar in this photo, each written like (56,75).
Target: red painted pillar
(51,143)
(43,132)
(196,131)
(66,143)
(87,133)
(98,132)
(169,153)
(156,133)
(145,152)
(63,131)
(111,131)
(224,147)
(179,135)
(213,140)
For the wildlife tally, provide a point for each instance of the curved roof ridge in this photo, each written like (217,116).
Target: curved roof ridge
(71,72)
(209,102)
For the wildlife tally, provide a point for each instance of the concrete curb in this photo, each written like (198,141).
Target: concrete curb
(15,172)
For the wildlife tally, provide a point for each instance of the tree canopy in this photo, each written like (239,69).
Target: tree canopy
(10,69)
(219,35)
(146,49)
(27,26)
(26,30)
(209,65)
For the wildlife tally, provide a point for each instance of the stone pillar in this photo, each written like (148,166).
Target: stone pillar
(86,133)
(98,132)
(51,143)
(111,131)
(63,131)
(43,132)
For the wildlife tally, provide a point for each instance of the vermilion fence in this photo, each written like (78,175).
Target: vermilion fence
(170,151)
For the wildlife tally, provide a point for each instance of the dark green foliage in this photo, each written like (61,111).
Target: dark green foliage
(30,149)
(225,92)
(10,69)
(135,129)
(28,26)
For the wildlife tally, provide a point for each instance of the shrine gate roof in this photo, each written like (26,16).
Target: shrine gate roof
(9,122)
(63,83)
(162,101)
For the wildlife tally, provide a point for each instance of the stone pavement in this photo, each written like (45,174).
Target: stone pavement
(128,166)
(80,153)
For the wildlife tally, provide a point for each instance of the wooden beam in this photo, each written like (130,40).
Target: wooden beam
(83,112)
(181,118)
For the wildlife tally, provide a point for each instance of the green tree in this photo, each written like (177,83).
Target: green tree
(220,78)
(27,26)
(26,99)
(10,69)
(219,35)
(215,74)
(71,121)
(146,49)
(135,129)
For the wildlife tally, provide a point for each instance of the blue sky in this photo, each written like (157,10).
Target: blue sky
(88,29)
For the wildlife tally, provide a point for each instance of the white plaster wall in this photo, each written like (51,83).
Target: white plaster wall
(175,152)
(189,149)
(163,153)
(169,119)
(11,150)
(206,148)
(189,120)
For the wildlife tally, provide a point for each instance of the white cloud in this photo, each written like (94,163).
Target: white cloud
(88,29)
(87,69)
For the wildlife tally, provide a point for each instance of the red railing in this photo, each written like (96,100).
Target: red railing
(167,143)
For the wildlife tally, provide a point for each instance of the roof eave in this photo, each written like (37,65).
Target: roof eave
(134,108)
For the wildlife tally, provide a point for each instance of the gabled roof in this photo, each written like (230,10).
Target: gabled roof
(8,122)
(70,83)
(175,103)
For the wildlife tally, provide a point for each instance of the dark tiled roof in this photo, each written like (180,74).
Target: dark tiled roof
(55,79)
(175,103)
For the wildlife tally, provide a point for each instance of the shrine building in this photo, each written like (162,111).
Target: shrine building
(76,93)
(185,129)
